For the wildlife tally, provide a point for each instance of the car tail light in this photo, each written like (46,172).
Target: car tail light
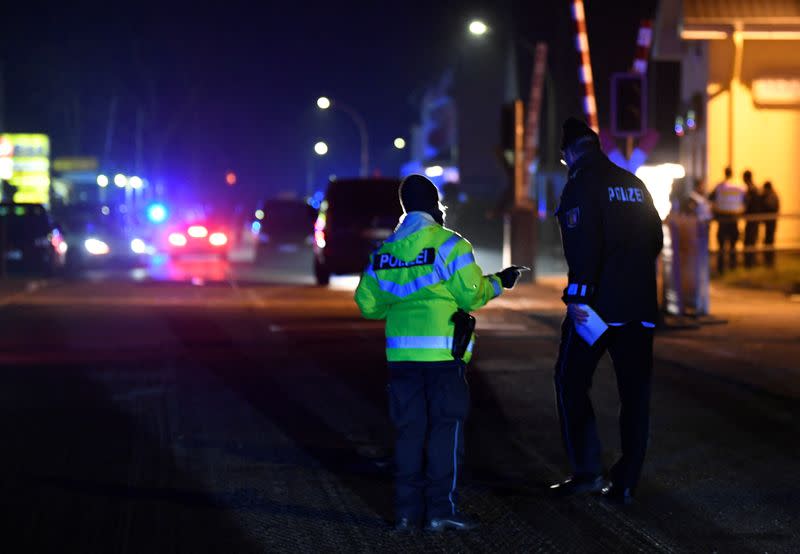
(197,231)
(218,239)
(177,239)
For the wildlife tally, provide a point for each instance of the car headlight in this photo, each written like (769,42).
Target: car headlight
(96,247)
(138,246)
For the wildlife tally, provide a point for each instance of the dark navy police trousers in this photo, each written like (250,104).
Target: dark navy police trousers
(428,403)
(631,350)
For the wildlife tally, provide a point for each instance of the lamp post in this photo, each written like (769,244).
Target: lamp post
(324,103)
(520,228)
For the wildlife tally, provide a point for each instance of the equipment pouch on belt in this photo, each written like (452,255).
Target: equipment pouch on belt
(462,334)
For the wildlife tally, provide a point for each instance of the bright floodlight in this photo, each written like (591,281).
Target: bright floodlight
(136,182)
(323,102)
(102,181)
(434,171)
(120,180)
(321,148)
(478,28)
(399,143)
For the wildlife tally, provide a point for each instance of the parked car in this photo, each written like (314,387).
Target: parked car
(355,217)
(99,239)
(30,242)
(285,227)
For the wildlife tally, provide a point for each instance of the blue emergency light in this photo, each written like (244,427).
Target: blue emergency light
(157,213)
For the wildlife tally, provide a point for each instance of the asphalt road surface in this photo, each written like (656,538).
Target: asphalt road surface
(210,408)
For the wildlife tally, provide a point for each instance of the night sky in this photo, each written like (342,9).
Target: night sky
(234,87)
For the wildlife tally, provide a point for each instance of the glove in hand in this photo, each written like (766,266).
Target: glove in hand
(510,275)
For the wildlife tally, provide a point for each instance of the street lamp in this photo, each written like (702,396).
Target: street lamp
(324,103)
(478,28)
(136,182)
(321,148)
(399,143)
(102,181)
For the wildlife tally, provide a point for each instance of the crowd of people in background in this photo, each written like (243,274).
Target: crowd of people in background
(732,202)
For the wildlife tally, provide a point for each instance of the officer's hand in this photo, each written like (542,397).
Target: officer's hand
(577,314)
(510,275)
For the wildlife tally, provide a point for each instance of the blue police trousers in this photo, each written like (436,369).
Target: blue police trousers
(631,350)
(428,403)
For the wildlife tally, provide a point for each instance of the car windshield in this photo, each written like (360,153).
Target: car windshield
(91,222)
(365,203)
(286,216)
(24,221)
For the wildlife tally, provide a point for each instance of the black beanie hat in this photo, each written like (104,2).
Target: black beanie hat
(419,194)
(574,129)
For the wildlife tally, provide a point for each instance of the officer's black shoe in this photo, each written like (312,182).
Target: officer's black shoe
(617,494)
(578,485)
(456,522)
(406,525)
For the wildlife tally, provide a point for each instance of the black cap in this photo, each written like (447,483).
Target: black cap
(574,129)
(419,194)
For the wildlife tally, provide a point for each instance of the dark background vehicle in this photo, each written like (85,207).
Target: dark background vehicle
(99,239)
(30,242)
(354,219)
(285,227)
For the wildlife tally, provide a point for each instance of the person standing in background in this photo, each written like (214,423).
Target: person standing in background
(728,204)
(752,207)
(771,205)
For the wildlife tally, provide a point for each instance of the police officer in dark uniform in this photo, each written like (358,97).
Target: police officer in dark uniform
(611,234)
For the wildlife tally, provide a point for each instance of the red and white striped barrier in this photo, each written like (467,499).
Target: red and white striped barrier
(584,64)
(643,42)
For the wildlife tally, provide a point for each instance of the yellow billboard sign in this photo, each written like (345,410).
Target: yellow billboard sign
(30,167)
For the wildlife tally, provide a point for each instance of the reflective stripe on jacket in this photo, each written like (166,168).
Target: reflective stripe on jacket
(416,280)
(729,199)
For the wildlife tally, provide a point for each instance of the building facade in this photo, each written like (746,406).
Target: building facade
(740,83)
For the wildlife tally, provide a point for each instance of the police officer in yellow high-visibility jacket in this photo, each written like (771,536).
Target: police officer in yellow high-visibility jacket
(416,281)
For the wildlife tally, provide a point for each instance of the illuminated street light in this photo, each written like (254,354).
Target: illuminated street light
(102,181)
(321,148)
(478,28)
(399,143)
(120,180)
(323,102)
(136,182)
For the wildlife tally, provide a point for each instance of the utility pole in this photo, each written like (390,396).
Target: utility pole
(112,116)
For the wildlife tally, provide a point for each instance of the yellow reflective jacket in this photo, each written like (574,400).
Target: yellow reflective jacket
(416,280)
